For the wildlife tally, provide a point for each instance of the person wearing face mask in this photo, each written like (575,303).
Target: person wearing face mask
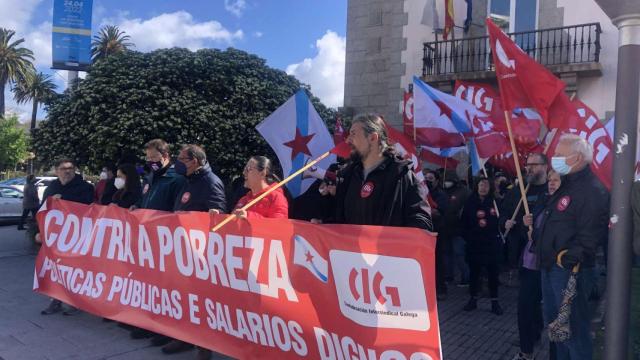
(566,233)
(127,183)
(202,191)
(71,187)
(457,195)
(159,192)
(432,178)
(104,186)
(162,185)
(480,231)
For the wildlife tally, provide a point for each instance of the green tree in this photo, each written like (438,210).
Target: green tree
(37,88)
(211,97)
(111,40)
(13,142)
(15,62)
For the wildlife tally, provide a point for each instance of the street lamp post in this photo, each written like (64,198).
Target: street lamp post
(625,15)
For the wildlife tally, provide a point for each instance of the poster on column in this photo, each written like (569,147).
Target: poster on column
(71,34)
(264,288)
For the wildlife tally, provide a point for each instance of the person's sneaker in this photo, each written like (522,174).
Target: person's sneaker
(54,307)
(176,346)
(471,305)
(139,333)
(21,228)
(463,284)
(496,308)
(71,311)
(203,354)
(160,340)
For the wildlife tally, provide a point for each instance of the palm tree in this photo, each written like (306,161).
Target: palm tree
(35,87)
(111,40)
(15,62)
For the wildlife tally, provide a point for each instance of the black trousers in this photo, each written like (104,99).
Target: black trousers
(530,322)
(25,213)
(475,270)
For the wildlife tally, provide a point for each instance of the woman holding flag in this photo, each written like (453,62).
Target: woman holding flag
(258,178)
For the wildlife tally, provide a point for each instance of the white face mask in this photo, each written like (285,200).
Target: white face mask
(119,183)
(103,175)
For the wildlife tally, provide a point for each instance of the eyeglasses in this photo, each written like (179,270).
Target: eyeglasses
(67,168)
(184,159)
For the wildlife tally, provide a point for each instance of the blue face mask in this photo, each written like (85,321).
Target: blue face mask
(559,164)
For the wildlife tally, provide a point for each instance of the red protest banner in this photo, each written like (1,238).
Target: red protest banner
(265,288)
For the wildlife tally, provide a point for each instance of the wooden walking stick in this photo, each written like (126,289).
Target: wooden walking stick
(270,190)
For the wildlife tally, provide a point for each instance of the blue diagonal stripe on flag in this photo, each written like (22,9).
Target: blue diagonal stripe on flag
(302,123)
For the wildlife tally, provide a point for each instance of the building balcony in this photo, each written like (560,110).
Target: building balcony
(569,52)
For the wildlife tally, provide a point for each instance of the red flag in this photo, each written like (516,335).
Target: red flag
(407,114)
(339,134)
(525,123)
(448,19)
(575,117)
(523,82)
(343,150)
(436,159)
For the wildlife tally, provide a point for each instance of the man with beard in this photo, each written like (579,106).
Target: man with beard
(519,244)
(378,187)
(536,170)
(442,245)
(71,187)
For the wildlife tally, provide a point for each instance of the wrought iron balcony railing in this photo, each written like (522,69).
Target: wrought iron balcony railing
(554,46)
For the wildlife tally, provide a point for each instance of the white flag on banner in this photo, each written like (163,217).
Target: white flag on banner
(297,134)
(305,255)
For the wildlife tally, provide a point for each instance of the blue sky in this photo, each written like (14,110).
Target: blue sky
(303,37)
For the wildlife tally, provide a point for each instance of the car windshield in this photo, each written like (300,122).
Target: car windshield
(10,193)
(14,181)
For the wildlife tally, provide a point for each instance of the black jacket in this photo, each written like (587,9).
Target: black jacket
(517,238)
(76,190)
(480,230)
(389,196)
(442,200)
(457,196)
(575,218)
(202,191)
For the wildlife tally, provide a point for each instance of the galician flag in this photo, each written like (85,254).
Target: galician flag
(297,134)
(305,255)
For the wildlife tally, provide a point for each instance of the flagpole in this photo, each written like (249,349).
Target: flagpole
(515,213)
(271,189)
(523,192)
(444,173)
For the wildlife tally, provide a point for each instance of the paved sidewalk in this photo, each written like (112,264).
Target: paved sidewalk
(25,334)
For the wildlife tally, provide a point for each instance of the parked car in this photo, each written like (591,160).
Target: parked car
(10,203)
(18,183)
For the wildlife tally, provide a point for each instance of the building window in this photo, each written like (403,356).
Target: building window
(516,16)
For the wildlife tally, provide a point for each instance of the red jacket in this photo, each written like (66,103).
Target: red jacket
(274,205)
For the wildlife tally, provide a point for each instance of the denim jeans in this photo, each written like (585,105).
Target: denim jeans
(554,280)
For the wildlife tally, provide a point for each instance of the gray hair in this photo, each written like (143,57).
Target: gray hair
(373,124)
(579,145)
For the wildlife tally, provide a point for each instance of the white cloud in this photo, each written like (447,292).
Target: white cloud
(324,72)
(39,41)
(258,34)
(16,14)
(236,7)
(173,29)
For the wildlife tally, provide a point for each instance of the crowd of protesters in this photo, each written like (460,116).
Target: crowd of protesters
(484,228)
